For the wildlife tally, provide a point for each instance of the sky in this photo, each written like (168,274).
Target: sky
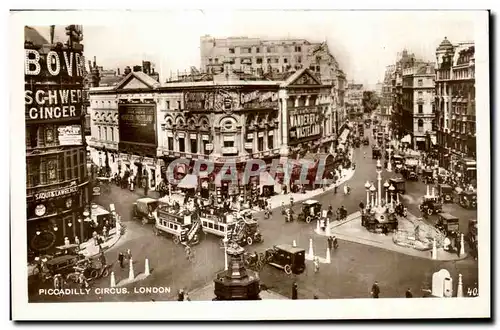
(363,42)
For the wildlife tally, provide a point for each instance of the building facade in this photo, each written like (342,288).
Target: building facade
(219,121)
(418,105)
(355,96)
(456,113)
(57,178)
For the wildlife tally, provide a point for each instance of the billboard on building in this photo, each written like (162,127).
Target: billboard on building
(69,135)
(137,123)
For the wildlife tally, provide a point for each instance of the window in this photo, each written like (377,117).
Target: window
(194,146)
(49,134)
(209,61)
(216,61)
(420,124)
(420,108)
(285,60)
(170,143)
(257,49)
(260,143)
(167,104)
(420,82)
(286,49)
(420,94)
(33,167)
(246,50)
(231,50)
(112,134)
(179,105)
(105,133)
(99,132)
(182,146)
(298,48)
(276,60)
(259,60)
(205,151)
(269,60)
(228,144)
(270,144)
(299,59)
(51,171)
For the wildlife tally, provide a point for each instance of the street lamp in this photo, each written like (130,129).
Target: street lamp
(372,190)
(225,240)
(386,186)
(389,165)
(391,189)
(367,187)
(379,179)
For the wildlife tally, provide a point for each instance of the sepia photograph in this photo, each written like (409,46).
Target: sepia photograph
(257,157)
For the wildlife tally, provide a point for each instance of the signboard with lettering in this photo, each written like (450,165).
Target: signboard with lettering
(137,123)
(199,100)
(53,83)
(56,193)
(304,125)
(259,100)
(69,135)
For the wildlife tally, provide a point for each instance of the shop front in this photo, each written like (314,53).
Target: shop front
(56,214)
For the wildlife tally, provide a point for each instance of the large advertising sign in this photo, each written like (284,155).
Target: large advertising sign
(221,99)
(304,125)
(137,123)
(69,135)
(53,83)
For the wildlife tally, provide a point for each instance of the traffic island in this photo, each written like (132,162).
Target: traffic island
(400,241)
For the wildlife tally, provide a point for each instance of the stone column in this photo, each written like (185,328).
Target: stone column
(217,140)
(243,135)
(255,142)
(296,104)
(266,140)
(308,98)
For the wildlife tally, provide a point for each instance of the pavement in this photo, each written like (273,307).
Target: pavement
(353,269)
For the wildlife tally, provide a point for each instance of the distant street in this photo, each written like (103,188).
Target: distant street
(353,270)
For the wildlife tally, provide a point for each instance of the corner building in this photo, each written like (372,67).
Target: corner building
(224,119)
(57,180)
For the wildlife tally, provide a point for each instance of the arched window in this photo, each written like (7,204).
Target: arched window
(169,122)
(205,125)
(191,124)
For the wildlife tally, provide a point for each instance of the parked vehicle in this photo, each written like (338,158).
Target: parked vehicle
(376,153)
(427,176)
(143,209)
(311,210)
(290,259)
(445,192)
(447,223)
(467,199)
(430,205)
(399,185)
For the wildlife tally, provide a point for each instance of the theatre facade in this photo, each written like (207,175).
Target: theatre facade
(224,120)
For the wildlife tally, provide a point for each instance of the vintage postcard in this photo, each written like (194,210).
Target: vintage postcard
(251,161)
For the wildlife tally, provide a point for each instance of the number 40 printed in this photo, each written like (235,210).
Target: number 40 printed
(472,292)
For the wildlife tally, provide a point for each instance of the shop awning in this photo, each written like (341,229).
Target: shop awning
(406,139)
(343,136)
(190,181)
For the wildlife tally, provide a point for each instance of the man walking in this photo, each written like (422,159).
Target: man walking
(121,259)
(375,290)
(294,291)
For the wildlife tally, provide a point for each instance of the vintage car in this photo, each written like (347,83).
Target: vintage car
(430,205)
(63,264)
(445,191)
(467,199)
(291,259)
(399,185)
(376,153)
(379,223)
(410,172)
(447,223)
(397,162)
(311,210)
(356,142)
(366,141)
(427,176)
(143,209)
(245,232)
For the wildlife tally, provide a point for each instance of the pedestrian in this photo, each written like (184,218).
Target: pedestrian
(121,259)
(294,291)
(459,244)
(186,297)
(316,264)
(180,295)
(105,233)
(322,224)
(408,293)
(291,201)
(145,188)
(375,290)
(330,242)
(77,241)
(315,297)
(102,259)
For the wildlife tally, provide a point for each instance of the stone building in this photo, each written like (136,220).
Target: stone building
(456,112)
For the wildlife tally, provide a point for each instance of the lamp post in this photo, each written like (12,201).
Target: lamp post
(391,189)
(379,179)
(225,240)
(367,187)
(386,186)
(389,164)
(372,190)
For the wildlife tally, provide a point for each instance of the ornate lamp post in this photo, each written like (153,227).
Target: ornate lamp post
(372,190)
(389,165)
(391,189)
(379,179)
(386,186)
(367,187)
